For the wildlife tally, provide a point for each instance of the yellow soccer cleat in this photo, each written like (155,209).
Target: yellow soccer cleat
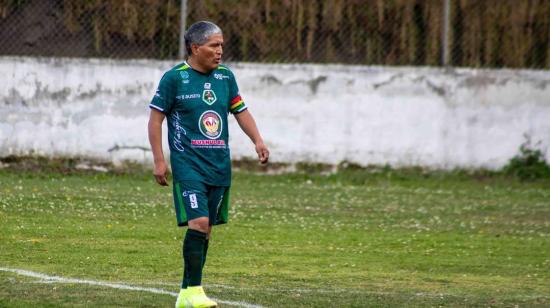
(194,297)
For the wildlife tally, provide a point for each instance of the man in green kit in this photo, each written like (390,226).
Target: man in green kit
(196,97)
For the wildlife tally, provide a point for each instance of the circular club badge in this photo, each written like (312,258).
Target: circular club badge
(210,124)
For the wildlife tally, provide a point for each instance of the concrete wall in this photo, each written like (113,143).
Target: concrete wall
(319,113)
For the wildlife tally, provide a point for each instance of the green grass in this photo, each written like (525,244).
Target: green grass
(353,239)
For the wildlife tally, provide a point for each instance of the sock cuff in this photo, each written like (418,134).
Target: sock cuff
(196,234)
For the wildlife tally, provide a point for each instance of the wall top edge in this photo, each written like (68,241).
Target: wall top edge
(285,66)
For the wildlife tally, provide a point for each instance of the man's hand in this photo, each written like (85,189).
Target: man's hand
(160,173)
(248,125)
(263,152)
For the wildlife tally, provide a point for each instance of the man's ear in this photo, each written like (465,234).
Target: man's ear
(194,48)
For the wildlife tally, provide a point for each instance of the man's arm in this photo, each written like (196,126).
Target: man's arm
(248,125)
(155,139)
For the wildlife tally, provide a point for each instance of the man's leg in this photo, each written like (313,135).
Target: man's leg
(194,248)
(215,198)
(194,201)
(206,245)
(185,281)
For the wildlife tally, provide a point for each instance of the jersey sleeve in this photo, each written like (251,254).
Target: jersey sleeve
(165,95)
(236,103)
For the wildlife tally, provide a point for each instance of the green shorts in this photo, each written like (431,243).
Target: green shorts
(194,199)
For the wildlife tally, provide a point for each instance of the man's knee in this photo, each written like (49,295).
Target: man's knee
(200,224)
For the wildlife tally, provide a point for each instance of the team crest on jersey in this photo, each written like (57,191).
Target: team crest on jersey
(209,97)
(210,124)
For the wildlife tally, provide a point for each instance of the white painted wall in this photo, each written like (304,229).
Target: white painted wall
(319,113)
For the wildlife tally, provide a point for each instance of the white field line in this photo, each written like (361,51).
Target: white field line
(57,279)
(348,291)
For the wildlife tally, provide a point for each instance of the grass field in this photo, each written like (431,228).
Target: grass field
(352,239)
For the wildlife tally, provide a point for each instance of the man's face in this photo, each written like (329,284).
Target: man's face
(209,54)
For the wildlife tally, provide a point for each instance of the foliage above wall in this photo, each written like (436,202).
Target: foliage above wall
(489,33)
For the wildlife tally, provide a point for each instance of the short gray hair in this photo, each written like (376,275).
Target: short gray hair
(199,32)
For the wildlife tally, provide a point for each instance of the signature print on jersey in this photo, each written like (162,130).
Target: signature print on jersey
(210,124)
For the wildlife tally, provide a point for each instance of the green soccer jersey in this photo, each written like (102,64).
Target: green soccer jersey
(196,106)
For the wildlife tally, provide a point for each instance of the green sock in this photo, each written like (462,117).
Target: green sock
(204,253)
(185,280)
(193,250)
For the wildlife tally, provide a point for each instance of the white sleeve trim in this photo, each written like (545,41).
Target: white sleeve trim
(240,109)
(156,107)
